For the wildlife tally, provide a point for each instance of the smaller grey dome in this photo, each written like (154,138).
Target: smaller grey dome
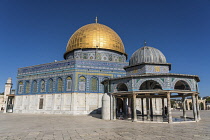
(147,54)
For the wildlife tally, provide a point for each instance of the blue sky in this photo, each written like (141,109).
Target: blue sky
(35,32)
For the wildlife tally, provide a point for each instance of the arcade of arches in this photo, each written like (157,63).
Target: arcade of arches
(151,100)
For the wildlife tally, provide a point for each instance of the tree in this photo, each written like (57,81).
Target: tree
(208,99)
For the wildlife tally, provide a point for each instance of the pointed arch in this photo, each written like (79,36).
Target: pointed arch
(150,84)
(122,87)
(50,85)
(183,81)
(42,86)
(20,87)
(34,86)
(94,84)
(82,83)
(27,87)
(60,84)
(68,83)
(141,81)
(182,85)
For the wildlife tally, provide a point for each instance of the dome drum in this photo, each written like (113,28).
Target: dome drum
(147,60)
(99,54)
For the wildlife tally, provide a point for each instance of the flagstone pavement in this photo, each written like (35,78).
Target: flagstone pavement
(68,127)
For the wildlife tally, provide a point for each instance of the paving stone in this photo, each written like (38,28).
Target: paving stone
(66,127)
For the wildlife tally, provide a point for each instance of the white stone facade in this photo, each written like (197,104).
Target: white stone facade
(2,104)
(65,103)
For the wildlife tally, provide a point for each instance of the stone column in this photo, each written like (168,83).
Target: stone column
(184,106)
(204,105)
(194,107)
(163,108)
(169,108)
(188,105)
(129,108)
(198,110)
(111,107)
(105,107)
(151,109)
(134,108)
(114,107)
(125,107)
(147,104)
(142,107)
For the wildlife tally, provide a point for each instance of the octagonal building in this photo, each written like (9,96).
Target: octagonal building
(94,53)
(146,91)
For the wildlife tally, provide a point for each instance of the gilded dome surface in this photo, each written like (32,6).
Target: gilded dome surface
(95,35)
(147,54)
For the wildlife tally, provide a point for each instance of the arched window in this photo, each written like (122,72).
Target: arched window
(50,85)
(34,86)
(68,83)
(27,87)
(94,84)
(82,83)
(20,87)
(42,86)
(60,85)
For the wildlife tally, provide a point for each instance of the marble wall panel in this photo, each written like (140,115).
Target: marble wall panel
(67,101)
(25,102)
(81,99)
(93,99)
(33,103)
(48,102)
(57,101)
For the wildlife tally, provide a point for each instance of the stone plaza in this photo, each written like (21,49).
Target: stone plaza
(69,127)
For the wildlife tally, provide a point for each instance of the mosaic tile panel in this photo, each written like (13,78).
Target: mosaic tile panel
(147,69)
(63,69)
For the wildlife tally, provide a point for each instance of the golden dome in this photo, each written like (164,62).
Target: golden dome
(95,35)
